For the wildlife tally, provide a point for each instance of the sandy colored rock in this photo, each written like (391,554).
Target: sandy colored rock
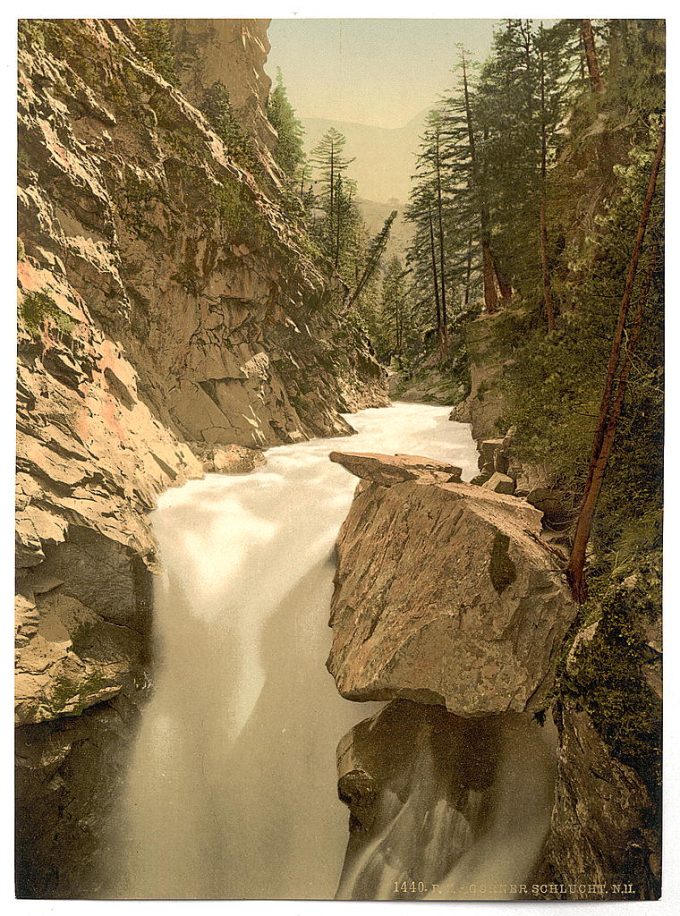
(500,483)
(230,459)
(146,320)
(387,470)
(445,594)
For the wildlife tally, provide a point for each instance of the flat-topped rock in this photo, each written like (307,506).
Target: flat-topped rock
(445,594)
(500,483)
(388,470)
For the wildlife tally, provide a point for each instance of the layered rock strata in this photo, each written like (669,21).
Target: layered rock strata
(169,312)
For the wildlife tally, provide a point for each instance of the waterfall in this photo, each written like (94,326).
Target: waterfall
(470,828)
(231,790)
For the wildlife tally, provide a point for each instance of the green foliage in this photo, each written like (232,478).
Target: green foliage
(554,383)
(67,691)
(335,223)
(289,151)
(43,34)
(218,112)
(608,674)
(39,311)
(156,44)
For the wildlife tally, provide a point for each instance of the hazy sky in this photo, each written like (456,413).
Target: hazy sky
(373,71)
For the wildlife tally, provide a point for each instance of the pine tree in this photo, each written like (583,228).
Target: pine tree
(216,107)
(335,199)
(289,151)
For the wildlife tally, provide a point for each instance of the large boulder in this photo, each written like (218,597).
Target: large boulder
(445,594)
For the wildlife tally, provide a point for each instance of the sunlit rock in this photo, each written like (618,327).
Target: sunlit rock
(387,469)
(500,483)
(445,594)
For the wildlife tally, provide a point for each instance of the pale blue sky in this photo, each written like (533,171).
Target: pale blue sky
(372,71)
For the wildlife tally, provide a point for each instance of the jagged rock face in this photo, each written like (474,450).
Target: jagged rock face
(175,251)
(231,52)
(147,314)
(484,404)
(602,829)
(69,773)
(165,299)
(607,816)
(445,594)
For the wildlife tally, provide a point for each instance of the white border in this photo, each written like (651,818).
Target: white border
(670,902)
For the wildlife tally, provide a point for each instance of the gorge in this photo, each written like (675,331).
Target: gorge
(231,790)
(257,601)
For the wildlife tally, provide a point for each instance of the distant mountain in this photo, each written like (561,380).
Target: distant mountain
(385,157)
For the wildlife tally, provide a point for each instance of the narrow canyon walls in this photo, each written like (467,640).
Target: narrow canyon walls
(168,306)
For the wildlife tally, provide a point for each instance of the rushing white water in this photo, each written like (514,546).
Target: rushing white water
(232,786)
(470,828)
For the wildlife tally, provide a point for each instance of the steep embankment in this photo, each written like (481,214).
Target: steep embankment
(450,594)
(607,699)
(166,306)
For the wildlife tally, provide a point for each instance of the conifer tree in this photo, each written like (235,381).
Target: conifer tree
(289,151)
(331,164)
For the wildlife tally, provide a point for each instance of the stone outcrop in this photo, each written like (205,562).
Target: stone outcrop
(484,404)
(231,52)
(603,823)
(444,594)
(500,483)
(168,313)
(387,470)
(606,820)
(229,459)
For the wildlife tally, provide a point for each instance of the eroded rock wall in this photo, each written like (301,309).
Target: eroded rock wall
(168,306)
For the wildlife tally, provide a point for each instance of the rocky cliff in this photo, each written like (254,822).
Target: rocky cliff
(450,602)
(605,828)
(168,306)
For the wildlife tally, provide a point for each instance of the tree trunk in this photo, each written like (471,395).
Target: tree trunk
(435,279)
(490,295)
(468,273)
(610,406)
(545,267)
(547,286)
(576,568)
(332,187)
(627,293)
(338,198)
(503,282)
(588,40)
(442,271)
